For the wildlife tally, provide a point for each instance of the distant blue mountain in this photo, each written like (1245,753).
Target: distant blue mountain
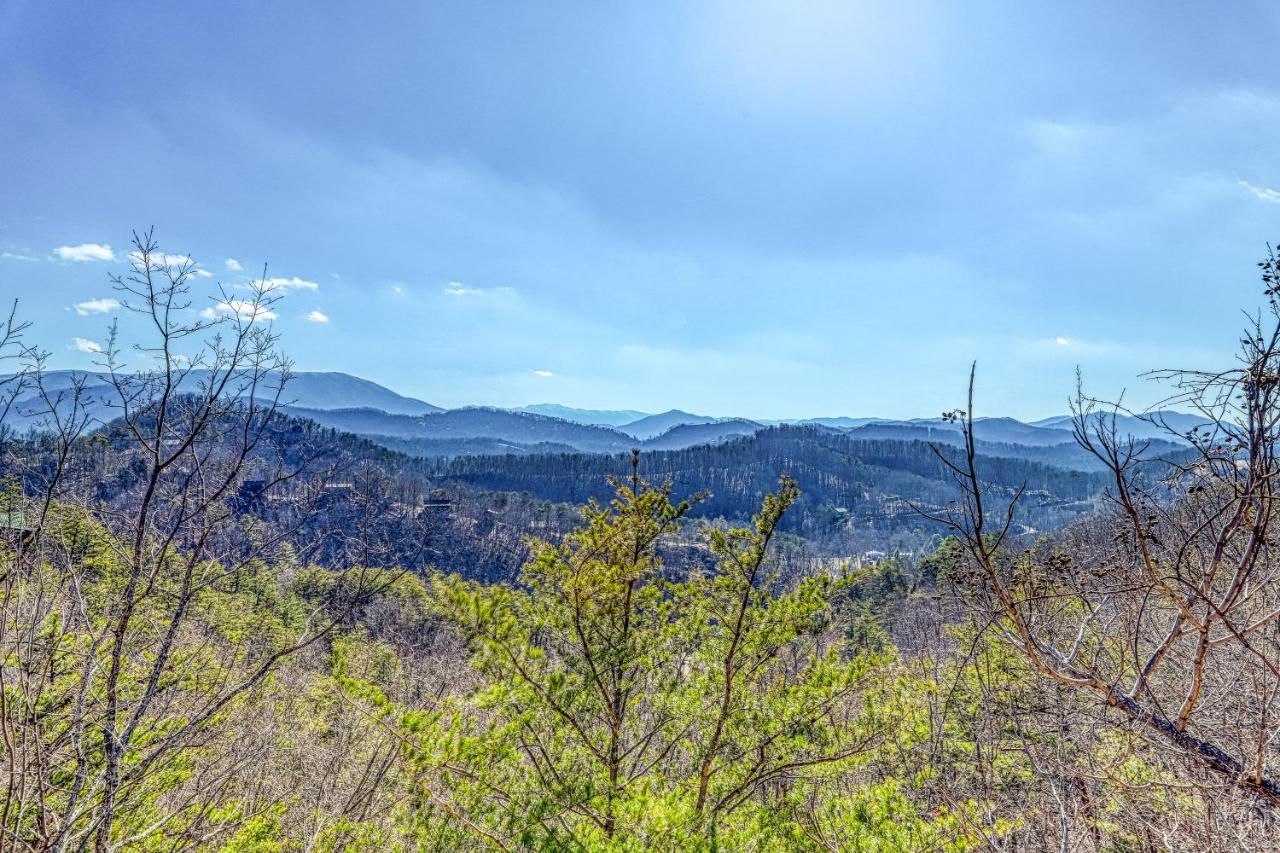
(343,391)
(320,391)
(595,417)
(479,430)
(835,423)
(1166,424)
(652,426)
(455,426)
(690,435)
(360,406)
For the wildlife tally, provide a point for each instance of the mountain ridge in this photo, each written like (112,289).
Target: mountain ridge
(594,417)
(352,403)
(309,389)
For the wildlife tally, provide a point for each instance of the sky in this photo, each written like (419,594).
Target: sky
(768,209)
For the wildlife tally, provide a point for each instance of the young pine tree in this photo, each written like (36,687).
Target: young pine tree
(619,708)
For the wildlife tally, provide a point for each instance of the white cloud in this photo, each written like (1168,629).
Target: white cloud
(14,256)
(85,252)
(97,306)
(86,345)
(455,288)
(168,260)
(1261,193)
(318,317)
(233,265)
(286,284)
(395,289)
(545,374)
(1054,347)
(241,308)
(173,262)
(458,289)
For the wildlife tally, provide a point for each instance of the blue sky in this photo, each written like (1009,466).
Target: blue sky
(773,209)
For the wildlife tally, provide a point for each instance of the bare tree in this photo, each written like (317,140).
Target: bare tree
(1167,610)
(103,596)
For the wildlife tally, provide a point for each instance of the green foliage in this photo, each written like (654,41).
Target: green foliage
(621,709)
(946,563)
(259,834)
(605,702)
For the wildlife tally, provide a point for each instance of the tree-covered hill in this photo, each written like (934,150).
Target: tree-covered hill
(856,495)
(849,485)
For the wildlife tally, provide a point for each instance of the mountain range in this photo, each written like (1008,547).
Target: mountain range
(510,472)
(352,404)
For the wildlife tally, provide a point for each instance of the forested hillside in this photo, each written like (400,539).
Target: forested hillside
(473,510)
(855,491)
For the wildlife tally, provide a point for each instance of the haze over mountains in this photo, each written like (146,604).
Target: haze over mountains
(362,407)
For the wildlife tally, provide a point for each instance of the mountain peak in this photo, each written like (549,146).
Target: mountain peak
(653,426)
